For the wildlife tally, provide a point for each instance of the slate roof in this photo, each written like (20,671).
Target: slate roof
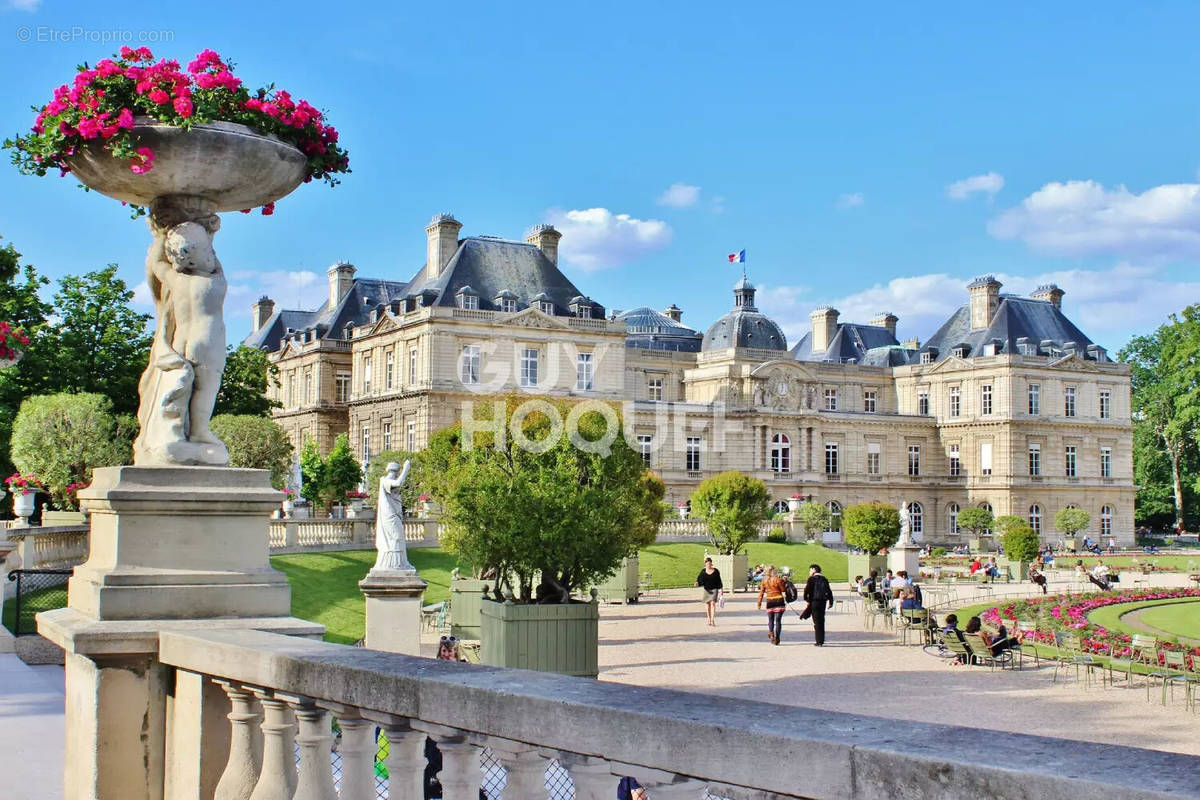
(649,329)
(745,325)
(355,307)
(857,344)
(1043,326)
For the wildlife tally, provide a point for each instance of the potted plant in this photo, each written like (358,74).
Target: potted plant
(541,522)
(289,502)
(682,509)
(794,502)
(24,489)
(815,518)
(977,521)
(70,512)
(1070,521)
(13,342)
(423,502)
(871,527)
(1021,545)
(732,504)
(356,499)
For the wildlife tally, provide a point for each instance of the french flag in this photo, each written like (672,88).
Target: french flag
(737,258)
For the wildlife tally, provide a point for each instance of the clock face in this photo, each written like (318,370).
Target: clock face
(780,386)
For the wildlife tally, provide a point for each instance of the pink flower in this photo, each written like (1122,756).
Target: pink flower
(183,107)
(143,163)
(159,96)
(107,67)
(89,128)
(268,209)
(247,210)
(125,118)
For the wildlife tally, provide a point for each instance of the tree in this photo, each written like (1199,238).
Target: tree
(101,344)
(414,486)
(976,520)
(871,526)
(650,511)
(312,472)
(568,512)
(732,504)
(248,373)
(257,443)
(1165,378)
(815,518)
(61,438)
(1020,542)
(342,471)
(1006,523)
(1071,520)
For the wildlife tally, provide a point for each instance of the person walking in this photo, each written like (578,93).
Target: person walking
(709,581)
(819,596)
(772,590)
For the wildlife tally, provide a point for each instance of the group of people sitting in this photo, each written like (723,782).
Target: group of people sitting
(989,568)
(896,591)
(996,644)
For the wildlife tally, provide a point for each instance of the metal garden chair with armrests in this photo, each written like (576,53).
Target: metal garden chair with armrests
(1175,670)
(981,653)
(1070,654)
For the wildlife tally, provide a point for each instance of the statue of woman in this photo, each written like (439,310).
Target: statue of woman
(389,522)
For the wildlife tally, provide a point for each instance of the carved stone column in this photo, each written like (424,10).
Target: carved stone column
(315,738)
(277,781)
(358,750)
(245,744)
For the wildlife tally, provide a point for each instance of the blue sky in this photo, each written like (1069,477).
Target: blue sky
(869,156)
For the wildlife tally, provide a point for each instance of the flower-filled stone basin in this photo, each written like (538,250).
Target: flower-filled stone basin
(228,164)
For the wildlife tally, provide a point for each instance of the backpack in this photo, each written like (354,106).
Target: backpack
(789,591)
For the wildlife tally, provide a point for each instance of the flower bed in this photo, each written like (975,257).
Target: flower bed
(1069,613)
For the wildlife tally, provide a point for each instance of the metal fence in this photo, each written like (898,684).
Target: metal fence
(37,590)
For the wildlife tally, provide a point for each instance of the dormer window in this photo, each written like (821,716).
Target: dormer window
(583,311)
(581,307)
(960,351)
(508,305)
(546,307)
(467,298)
(927,357)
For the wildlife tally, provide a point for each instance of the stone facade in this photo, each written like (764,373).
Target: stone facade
(943,427)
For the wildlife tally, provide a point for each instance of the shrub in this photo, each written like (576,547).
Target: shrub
(975,520)
(1021,543)
(1071,520)
(871,526)
(777,535)
(815,518)
(937,552)
(1006,523)
(312,472)
(732,503)
(342,472)
(257,443)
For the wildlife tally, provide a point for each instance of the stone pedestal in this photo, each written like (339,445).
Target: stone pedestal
(905,557)
(394,610)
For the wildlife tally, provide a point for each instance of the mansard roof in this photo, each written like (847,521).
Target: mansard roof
(1021,325)
(855,343)
(354,308)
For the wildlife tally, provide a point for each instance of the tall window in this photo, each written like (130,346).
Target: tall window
(308,386)
(654,388)
(341,387)
(1106,517)
(988,508)
(1069,401)
(923,402)
(1105,404)
(388,369)
(914,459)
(411,437)
(292,399)
(955,460)
(529,366)
(955,401)
(645,444)
(412,366)
(470,364)
(693,454)
(831,399)
(366,374)
(508,305)
(1035,459)
(1035,399)
(387,436)
(985,399)
(872,458)
(916,518)
(835,516)
(1105,462)
(366,441)
(952,519)
(870,400)
(1035,518)
(985,458)
(1070,460)
(584,372)
(781,453)
(831,458)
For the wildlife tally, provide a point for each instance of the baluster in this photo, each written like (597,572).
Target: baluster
(406,756)
(661,785)
(526,768)
(245,744)
(315,737)
(461,775)
(593,777)
(358,753)
(277,781)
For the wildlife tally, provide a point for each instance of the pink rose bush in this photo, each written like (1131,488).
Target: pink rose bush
(13,342)
(103,103)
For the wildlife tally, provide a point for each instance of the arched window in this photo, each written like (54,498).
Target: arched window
(1035,518)
(916,516)
(988,508)
(952,519)
(835,516)
(781,453)
(1106,515)
(780,507)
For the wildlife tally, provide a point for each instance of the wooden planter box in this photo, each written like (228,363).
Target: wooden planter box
(551,638)
(863,564)
(733,570)
(465,596)
(623,586)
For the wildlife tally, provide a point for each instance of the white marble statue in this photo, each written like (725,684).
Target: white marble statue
(179,386)
(296,476)
(905,532)
(389,522)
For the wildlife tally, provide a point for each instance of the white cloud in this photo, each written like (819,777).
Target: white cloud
(298,288)
(988,184)
(24,5)
(596,238)
(1080,218)
(850,200)
(141,296)
(680,195)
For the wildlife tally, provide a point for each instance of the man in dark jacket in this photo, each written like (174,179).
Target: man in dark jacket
(819,596)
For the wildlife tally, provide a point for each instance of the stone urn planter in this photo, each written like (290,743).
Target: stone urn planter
(793,504)
(24,504)
(733,570)
(561,638)
(683,512)
(623,586)
(289,507)
(356,505)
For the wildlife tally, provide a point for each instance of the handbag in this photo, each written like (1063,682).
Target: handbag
(720,598)
(807,612)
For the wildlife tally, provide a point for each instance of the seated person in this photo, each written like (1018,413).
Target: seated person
(995,645)
(1036,577)
(951,629)
(856,584)
(1049,558)
(976,565)
(992,569)
(757,574)
(909,601)
(1099,576)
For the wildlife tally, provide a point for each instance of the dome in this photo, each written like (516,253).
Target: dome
(649,329)
(745,325)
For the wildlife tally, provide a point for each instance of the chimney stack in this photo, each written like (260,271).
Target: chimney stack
(441,243)
(824,327)
(545,238)
(674,312)
(260,312)
(886,319)
(1050,293)
(984,294)
(341,278)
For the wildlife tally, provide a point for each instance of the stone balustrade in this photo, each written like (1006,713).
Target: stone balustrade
(256,699)
(315,535)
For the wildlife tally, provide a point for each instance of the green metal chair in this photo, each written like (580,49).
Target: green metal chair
(981,653)
(1117,664)
(1025,635)
(1175,665)
(913,620)
(1070,654)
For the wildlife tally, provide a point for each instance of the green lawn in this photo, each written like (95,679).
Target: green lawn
(1180,619)
(32,603)
(677,564)
(1180,563)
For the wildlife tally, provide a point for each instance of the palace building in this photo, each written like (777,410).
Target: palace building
(1008,405)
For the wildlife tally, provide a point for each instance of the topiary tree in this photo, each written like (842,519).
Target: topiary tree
(871,526)
(342,471)
(1003,524)
(1071,520)
(976,520)
(312,472)
(650,511)
(61,438)
(414,486)
(257,443)
(732,504)
(815,518)
(1020,542)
